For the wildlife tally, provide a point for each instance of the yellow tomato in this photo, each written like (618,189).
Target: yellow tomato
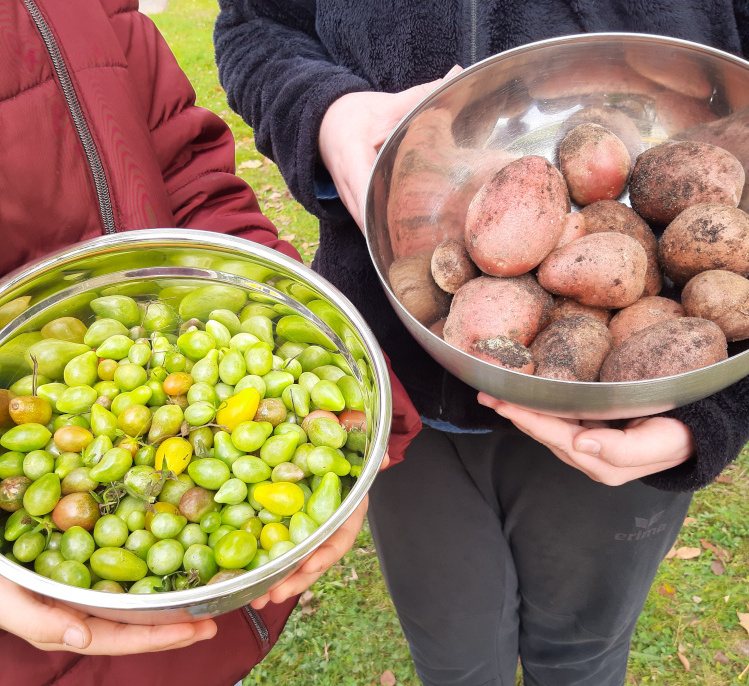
(159,507)
(239,408)
(173,454)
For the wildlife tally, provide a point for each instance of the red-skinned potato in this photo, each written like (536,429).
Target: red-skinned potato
(611,215)
(723,298)
(703,237)
(574,228)
(669,178)
(567,307)
(601,269)
(517,217)
(452,266)
(670,347)
(504,352)
(595,164)
(571,349)
(488,307)
(643,313)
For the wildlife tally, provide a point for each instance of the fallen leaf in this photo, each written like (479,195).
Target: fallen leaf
(742,647)
(684,661)
(744,620)
(274,196)
(724,479)
(305,600)
(686,553)
(250,164)
(671,553)
(718,568)
(325,651)
(387,678)
(721,658)
(689,520)
(667,591)
(289,237)
(696,599)
(719,552)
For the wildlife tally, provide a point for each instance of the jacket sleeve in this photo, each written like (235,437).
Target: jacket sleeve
(281,80)
(193,146)
(720,428)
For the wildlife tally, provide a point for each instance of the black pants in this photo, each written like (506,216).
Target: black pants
(492,548)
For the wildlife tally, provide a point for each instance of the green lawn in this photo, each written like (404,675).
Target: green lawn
(346,633)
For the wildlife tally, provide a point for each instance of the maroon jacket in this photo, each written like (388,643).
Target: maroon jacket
(99,133)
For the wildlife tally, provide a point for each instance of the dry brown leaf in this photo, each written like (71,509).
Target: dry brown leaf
(719,552)
(387,678)
(724,479)
(250,164)
(720,657)
(689,520)
(742,647)
(684,661)
(666,591)
(305,600)
(671,553)
(686,553)
(718,568)
(744,620)
(696,599)
(274,196)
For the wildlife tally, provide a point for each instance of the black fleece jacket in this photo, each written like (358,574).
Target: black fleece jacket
(283,62)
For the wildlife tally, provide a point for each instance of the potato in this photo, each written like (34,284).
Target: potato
(595,164)
(566,307)
(571,349)
(489,306)
(670,177)
(517,217)
(670,347)
(601,270)
(612,118)
(412,283)
(643,313)
(504,352)
(703,237)
(452,266)
(723,298)
(728,133)
(610,215)
(574,228)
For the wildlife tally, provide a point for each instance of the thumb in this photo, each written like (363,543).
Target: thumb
(37,622)
(413,95)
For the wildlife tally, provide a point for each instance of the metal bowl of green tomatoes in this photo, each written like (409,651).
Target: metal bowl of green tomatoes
(184,418)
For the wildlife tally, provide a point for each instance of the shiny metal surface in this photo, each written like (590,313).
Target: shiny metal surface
(522,102)
(138,261)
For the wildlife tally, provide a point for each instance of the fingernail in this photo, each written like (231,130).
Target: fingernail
(455,70)
(73,637)
(588,447)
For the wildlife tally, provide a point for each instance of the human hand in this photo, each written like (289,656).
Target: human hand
(50,624)
(611,456)
(319,561)
(352,132)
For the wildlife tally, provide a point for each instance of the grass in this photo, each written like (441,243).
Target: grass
(346,632)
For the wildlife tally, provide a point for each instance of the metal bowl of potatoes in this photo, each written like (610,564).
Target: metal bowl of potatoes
(143,264)
(647,89)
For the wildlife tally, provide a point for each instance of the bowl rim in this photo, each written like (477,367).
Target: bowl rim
(201,595)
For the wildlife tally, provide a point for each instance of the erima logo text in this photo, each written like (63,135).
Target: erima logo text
(645,528)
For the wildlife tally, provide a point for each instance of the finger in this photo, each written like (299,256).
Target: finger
(605,473)
(112,638)
(385,462)
(38,622)
(655,441)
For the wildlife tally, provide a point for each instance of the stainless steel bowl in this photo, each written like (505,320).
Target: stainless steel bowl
(137,262)
(522,102)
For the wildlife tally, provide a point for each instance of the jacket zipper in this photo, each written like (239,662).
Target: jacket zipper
(260,628)
(84,133)
(474,30)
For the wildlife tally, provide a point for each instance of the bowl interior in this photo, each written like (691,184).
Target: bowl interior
(522,102)
(142,265)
